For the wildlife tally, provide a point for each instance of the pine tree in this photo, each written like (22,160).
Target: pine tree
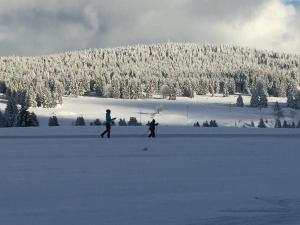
(23,118)
(278,123)
(277,110)
(298,125)
(122,122)
(259,96)
(27,119)
(240,101)
(100,86)
(202,87)
(97,122)
(165,91)
(125,89)
(205,124)
(213,123)
(196,124)
(53,121)
(33,120)
(3,122)
(115,85)
(277,107)
(285,124)
(80,121)
(11,112)
(262,124)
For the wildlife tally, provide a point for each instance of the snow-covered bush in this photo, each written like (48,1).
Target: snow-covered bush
(196,124)
(205,124)
(96,122)
(262,124)
(53,121)
(122,122)
(278,123)
(133,122)
(80,121)
(212,123)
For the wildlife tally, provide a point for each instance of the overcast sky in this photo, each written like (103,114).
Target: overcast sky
(35,27)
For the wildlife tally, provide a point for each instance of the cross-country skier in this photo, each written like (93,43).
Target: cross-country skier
(152,126)
(108,123)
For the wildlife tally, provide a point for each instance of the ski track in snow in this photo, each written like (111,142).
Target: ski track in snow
(279,212)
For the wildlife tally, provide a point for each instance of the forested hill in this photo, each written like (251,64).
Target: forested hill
(144,70)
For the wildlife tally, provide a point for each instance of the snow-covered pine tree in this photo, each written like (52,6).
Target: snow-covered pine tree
(203,88)
(259,96)
(11,112)
(165,91)
(100,86)
(79,71)
(149,88)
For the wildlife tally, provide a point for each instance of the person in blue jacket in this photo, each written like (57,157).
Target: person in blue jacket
(108,123)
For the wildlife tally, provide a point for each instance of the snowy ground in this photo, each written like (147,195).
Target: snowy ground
(187,176)
(184,111)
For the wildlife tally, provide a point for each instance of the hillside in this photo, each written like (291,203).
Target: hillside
(141,71)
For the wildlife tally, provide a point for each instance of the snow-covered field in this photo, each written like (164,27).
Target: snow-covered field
(186,176)
(222,176)
(184,111)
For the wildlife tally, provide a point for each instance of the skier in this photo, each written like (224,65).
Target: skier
(108,123)
(152,126)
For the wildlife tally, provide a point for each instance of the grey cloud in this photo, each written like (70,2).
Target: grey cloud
(225,10)
(33,27)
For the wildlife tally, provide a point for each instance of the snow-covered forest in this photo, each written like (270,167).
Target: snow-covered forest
(171,69)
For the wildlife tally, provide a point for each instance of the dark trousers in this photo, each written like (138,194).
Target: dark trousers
(107,131)
(152,134)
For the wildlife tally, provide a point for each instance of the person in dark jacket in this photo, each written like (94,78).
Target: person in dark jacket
(108,123)
(152,126)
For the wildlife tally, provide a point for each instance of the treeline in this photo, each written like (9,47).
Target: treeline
(142,71)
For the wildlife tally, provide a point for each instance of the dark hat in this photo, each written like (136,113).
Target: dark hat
(108,110)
